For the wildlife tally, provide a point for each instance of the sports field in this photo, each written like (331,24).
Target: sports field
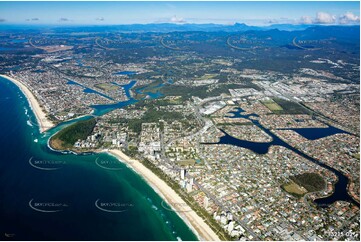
(272,105)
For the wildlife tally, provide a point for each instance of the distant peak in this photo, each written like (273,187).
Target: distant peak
(240,24)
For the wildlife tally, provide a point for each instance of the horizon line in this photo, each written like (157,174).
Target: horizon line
(170,23)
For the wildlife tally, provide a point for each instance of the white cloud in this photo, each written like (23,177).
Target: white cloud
(306,20)
(349,18)
(325,18)
(174,19)
(321,18)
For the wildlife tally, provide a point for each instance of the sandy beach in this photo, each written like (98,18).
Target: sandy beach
(43,121)
(196,223)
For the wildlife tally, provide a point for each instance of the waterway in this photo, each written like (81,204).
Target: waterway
(340,188)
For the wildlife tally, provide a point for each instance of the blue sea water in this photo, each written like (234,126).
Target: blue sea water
(19,40)
(46,195)
(6,48)
(127,73)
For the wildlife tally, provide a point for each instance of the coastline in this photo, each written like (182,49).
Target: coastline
(43,121)
(196,223)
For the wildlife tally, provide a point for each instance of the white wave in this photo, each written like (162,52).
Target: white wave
(29,123)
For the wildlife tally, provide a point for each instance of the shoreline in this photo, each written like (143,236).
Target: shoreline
(195,223)
(43,122)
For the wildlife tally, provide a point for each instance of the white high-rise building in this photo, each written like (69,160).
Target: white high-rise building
(223,219)
(229,216)
(183,173)
(230,227)
(206,202)
(189,187)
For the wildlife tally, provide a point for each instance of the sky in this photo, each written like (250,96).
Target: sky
(112,13)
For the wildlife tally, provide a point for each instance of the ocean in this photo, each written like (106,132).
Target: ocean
(47,195)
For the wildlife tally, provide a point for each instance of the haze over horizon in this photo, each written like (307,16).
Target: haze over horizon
(118,13)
